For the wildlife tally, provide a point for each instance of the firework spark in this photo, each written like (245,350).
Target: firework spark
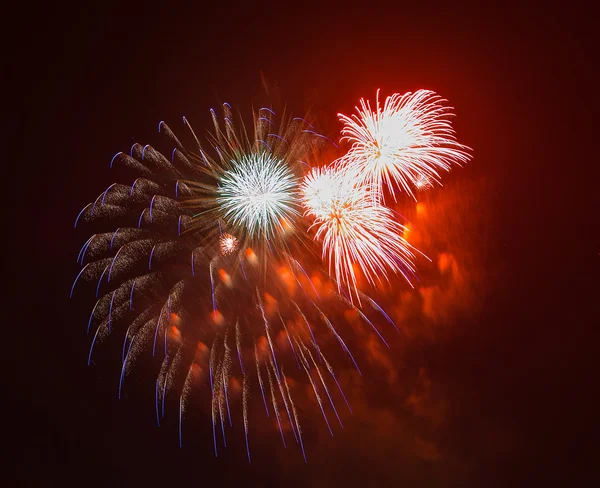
(410,139)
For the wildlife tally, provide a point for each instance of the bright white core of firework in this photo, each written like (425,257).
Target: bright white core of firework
(258,194)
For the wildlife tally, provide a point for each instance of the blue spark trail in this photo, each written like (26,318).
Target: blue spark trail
(76,278)
(156,331)
(278,137)
(83,250)
(151,205)
(131,295)
(112,263)
(123,367)
(114,157)
(106,191)
(90,319)
(100,281)
(267,109)
(156,402)
(79,215)
(140,219)
(113,237)
(112,299)
(92,346)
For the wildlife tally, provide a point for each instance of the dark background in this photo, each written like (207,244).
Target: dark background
(516,374)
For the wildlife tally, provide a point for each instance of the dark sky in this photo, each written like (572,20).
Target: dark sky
(492,379)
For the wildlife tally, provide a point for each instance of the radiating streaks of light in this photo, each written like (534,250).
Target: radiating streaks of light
(298,428)
(258,194)
(267,332)
(214,378)
(306,366)
(234,208)
(376,306)
(297,264)
(364,317)
(160,381)
(220,388)
(124,365)
(274,402)
(305,320)
(228,244)
(245,411)
(77,279)
(260,380)
(185,392)
(185,121)
(162,324)
(422,183)
(337,336)
(332,373)
(409,139)
(109,308)
(134,253)
(212,286)
(285,401)
(225,373)
(354,229)
(165,375)
(287,333)
(81,255)
(324,386)
(238,344)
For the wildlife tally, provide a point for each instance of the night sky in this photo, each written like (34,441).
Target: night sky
(489,382)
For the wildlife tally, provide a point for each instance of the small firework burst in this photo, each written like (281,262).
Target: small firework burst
(228,244)
(423,183)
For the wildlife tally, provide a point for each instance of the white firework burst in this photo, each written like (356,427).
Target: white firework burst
(258,195)
(318,190)
(409,140)
(354,228)
(228,244)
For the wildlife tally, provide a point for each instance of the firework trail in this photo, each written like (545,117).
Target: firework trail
(205,261)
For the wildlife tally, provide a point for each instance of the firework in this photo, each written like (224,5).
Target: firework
(409,141)
(228,244)
(423,183)
(257,194)
(214,258)
(207,269)
(355,230)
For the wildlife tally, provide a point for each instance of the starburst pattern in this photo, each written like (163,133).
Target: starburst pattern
(219,292)
(228,244)
(409,139)
(356,231)
(258,195)
(211,264)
